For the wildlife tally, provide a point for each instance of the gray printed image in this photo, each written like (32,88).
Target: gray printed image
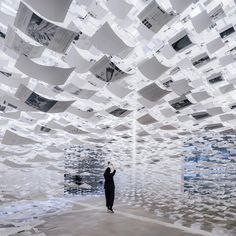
(41,30)
(112,72)
(118,112)
(45,129)
(40,103)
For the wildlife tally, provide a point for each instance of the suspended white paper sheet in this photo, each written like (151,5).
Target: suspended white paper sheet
(83,114)
(74,130)
(49,74)
(180,87)
(107,41)
(143,133)
(43,129)
(181,41)
(74,59)
(180,5)
(227,117)
(121,128)
(215,111)
(215,78)
(81,40)
(118,90)
(39,158)
(13,164)
(214,45)
(226,60)
(119,8)
(213,126)
(15,103)
(200,96)
(153,92)
(97,11)
(40,103)
(99,99)
(48,34)
(11,115)
(227,88)
(118,112)
(180,103)
(167,127)
(167,112)
(167,51)
(14,42)
(201,21)
(146,103)
(152,68)
(54,10)
(146,119)
(11,138)
(13,81)
(96,131)
(145,32)
(200,115)
(6,19)
(85,2)
(201,60)
(154,17)
(107,71)
(54,125)
(215,11)
(79,92)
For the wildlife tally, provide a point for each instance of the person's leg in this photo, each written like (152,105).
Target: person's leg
(107,198)
(112,197)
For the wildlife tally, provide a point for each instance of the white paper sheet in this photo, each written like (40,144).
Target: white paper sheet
(152,68)
(201,21)
(181,41)
(74,59)
(74,130)
(153,92)
(107,71)
(14,42)
(154,17)
(118,112)
(11,138)
(119,8)
(118,90)
(40,103)
(146,119)
(54,10)
(79,92)
(180,5)
(107,41)
(6,19)
(48,34)
(13,81)
(180,87)
(49,74)
(214,45)
(81,113)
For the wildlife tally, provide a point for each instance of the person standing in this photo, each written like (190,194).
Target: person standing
(109,187)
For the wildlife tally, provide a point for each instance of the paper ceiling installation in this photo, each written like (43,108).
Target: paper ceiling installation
(86,71)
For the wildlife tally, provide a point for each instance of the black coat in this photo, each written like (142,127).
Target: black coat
(109,182)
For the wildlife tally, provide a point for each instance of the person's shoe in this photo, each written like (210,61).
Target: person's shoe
(111,210)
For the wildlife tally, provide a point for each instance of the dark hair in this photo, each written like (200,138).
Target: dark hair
(108,170)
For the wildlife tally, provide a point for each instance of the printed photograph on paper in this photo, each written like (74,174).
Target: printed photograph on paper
(118,112)
(40,103)
(41,30)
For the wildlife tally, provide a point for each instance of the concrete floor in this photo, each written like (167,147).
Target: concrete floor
(89,218)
